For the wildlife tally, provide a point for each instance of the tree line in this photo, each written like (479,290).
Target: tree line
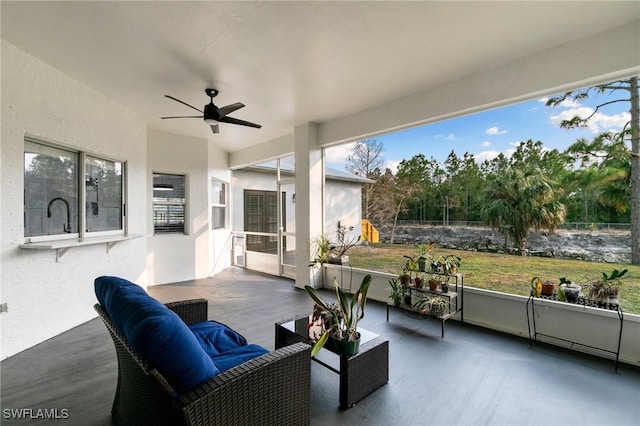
(535,188)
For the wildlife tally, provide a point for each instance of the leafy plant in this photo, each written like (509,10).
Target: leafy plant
(608,286)
(345,319)
(434,306)
(398,291)
(322,249)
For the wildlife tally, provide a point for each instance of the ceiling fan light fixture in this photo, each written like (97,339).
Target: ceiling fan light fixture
(210,121)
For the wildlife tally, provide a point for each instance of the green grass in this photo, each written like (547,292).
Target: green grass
(502,272)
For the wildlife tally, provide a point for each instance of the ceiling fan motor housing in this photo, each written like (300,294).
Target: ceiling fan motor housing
(211,112)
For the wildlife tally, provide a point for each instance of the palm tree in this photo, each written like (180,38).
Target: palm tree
(518,201)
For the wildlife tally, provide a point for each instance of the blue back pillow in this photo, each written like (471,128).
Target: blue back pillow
(156,333)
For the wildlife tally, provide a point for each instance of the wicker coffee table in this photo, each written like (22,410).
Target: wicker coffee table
(360,374)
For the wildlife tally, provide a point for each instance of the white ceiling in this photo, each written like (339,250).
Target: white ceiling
(289,62)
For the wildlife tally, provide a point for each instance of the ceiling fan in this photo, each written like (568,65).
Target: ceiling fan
(212,115)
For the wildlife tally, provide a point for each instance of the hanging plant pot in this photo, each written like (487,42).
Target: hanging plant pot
(347,347)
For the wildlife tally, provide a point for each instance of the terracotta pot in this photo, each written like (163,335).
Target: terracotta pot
(433,285)
(418,282)
(548,288)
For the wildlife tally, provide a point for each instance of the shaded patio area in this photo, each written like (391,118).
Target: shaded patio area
(473,376)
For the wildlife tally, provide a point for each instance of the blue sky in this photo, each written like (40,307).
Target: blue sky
(489,133)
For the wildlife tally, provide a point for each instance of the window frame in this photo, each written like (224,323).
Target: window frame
(81,194)
(184,204)
(217,205)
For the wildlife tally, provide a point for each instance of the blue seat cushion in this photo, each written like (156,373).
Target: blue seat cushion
(238,356)
(217,338)
(156,333)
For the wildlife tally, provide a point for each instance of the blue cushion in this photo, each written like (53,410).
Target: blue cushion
(216,338)
(156,333)
(238,356)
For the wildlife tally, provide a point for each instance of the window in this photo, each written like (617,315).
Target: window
(219,204)
(261,215)
(169,203)
(53,193)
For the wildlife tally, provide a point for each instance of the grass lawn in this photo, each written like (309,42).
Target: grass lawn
(502,272)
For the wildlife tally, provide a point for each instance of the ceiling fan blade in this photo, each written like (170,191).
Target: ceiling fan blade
(215,128)
(230,108)
(185,116)
(183,103)
(232,120)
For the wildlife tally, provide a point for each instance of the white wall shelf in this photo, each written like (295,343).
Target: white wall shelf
(61,246)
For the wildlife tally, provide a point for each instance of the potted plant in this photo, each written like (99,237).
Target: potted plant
(450,264)
(344,243)
(434,306)
(347,313)
(419,280)
(410,265)
(322,249)
(540,287)
(547,287)
(398,291)
(606,289)
(433,281)
(568,291)
(423,251)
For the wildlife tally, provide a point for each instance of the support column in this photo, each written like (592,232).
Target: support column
(309,200)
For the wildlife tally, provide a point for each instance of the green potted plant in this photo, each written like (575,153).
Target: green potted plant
(450,264)
(347,313)
(322,249)
(423,253)
(431,305)
(411,265)
(398,291)
(606,289)
(568,291)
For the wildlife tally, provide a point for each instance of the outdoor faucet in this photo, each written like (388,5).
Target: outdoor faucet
(66,227)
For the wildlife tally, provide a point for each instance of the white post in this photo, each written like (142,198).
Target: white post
(309,200)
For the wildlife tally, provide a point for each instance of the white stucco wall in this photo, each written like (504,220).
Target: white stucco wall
(343,204)
(43,297)
(175,257)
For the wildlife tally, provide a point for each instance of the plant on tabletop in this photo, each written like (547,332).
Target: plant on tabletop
(345,320)
(568,291)
(606,289)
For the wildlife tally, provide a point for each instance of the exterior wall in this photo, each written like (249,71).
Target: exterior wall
(343,205)
(507,313)
(45,298)
(174,256)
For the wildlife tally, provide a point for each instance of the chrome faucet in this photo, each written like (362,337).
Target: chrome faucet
(66,227)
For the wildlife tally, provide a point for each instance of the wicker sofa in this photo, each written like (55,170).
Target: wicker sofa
(273,388)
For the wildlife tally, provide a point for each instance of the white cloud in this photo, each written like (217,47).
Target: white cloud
(598,123)
(486,155)
(338,154)
(392,165)
(495,131)
(449,137)
(486,144)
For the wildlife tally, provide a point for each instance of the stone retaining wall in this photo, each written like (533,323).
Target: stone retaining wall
(611,247)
